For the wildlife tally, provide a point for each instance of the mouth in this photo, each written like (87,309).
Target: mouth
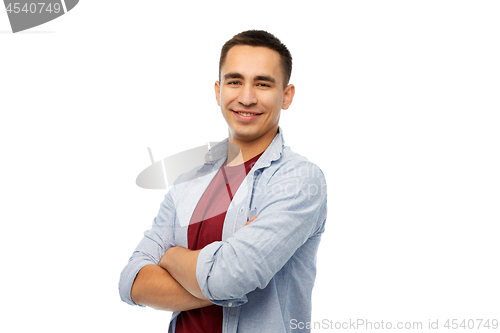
(246,116)
(247,113)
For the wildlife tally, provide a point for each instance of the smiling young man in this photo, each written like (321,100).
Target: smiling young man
(233,247)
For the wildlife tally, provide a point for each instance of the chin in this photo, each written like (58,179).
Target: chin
(245,133)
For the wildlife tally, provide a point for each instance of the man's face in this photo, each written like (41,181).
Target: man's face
(251,93)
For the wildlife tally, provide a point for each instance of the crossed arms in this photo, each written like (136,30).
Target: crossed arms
(164,276)
(157,286)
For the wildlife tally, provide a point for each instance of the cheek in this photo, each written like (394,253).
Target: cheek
(225,97)
(273,103)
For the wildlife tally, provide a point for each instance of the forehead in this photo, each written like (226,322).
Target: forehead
(252,61)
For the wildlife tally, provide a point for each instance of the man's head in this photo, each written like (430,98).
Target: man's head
(253,87)
(264,39)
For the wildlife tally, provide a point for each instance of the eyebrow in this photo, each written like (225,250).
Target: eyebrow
(265,78)
(257,78)
(233,76)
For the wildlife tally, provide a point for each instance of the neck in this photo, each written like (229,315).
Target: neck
(240,151)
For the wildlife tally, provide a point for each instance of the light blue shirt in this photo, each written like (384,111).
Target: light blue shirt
(261,274)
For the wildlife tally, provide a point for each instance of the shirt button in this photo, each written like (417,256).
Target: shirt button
(230,304)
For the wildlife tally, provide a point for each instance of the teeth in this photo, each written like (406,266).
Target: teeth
(246,114)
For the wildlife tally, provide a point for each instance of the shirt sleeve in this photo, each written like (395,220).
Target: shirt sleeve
(154,244)
(292,209)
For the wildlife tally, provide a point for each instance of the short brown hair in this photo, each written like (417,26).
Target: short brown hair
(264,39)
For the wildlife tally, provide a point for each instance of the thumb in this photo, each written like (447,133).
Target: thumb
(250,221)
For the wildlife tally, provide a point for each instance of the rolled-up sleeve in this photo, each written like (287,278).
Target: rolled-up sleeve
(291,208)
(151,248)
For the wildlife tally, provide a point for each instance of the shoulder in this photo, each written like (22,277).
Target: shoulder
(292,164)
(293,175)
(293,183)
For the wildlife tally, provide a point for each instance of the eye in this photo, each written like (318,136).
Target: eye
(233,83)
(263,85)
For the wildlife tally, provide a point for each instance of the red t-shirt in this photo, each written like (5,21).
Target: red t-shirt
(204,228)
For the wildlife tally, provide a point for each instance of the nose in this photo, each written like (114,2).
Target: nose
(247,96)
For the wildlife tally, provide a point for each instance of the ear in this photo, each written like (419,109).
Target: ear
(217,91)
(288,98)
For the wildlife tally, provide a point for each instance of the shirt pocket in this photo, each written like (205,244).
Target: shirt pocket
(251,213)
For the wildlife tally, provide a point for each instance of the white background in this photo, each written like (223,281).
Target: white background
(396,101)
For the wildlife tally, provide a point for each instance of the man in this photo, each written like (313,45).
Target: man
(233,247)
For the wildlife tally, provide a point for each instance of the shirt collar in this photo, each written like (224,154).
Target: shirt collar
(218,153)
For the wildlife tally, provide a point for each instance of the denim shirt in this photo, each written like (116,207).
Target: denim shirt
(261,274)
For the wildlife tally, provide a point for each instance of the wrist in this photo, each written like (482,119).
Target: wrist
(165,258)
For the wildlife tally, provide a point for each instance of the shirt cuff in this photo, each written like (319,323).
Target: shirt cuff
(127,278)
(204,266)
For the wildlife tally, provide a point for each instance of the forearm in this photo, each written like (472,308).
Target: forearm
(181,264)
(156,288)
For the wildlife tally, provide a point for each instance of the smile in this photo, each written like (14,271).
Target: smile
(246,116)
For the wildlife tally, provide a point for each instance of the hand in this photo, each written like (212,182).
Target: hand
(181,264)
(163,261)
(250,221)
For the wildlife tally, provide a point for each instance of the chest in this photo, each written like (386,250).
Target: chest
(188,195)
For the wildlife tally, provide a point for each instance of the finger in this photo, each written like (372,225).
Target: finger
(251,220)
